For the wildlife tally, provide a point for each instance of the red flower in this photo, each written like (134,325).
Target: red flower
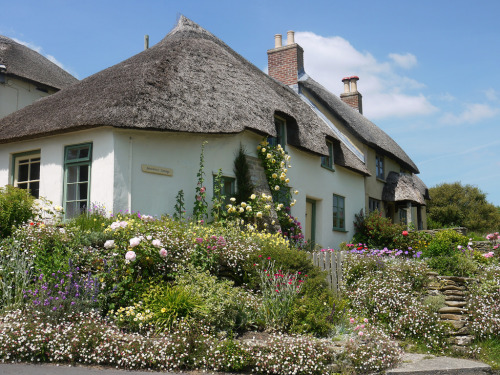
(405,233)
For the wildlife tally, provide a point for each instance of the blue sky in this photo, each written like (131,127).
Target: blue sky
(428,69)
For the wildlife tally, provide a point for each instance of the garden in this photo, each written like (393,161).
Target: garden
(232,289)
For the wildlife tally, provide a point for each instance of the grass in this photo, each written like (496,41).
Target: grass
(490,353)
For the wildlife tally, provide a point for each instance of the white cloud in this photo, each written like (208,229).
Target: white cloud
(385,92)
(472,114)
(406,61)
(40,51)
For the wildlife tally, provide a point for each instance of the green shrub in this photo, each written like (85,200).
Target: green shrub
(226,307)
(170,304)
(16,207)
(445,243)
(375,231)
(457,264)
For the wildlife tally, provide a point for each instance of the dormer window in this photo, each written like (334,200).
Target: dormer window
(379,166)
(327,161)
(280,138)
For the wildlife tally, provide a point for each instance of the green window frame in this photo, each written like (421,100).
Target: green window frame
(280,138)
(77,168)
(228,187)
(338,212)
(26,171)
(374,204)
(379,167)
(327,161)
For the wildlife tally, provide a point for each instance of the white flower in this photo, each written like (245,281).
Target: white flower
(233,199)
(157,243)
(115,225)
(135,241)
(243,204)
(109,244)
(163,253)
(276,188)
(130,256)
(259,214)
(58,208)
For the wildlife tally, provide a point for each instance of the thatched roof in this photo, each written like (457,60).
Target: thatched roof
(404,187)
(23,62)
(189,82)
(362,128)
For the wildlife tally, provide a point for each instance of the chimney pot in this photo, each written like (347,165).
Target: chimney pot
(290,37)
(146,42)
(354,85)
(277,41)
(347,88)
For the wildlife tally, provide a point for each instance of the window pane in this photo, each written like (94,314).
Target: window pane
(83,191)
(72,174)
(71,192)
(35,189)
(83,207)
(23,172)
(23,185)
(72,209)
(72,154)
(35,171)
(84,153)
(84,173)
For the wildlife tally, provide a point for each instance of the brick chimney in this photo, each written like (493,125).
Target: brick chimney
(351,94)
(285,63)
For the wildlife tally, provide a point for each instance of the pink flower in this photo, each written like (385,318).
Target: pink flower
(488,255)
(130,256)
(198,198)
(365,320)
(352,320)
(163,253)
(134,242)
(360,333)
(109,244)
(202,190)
(157,243)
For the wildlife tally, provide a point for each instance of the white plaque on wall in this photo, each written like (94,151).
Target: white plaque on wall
(157,170)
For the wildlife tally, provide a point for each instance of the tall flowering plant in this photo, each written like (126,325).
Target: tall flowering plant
(276,163)
(200,210)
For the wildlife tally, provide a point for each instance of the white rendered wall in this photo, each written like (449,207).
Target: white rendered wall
(52,163)
(320,184)
(16,94)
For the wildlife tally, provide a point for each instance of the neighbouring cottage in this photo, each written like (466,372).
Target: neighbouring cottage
(129,137)
(26,76)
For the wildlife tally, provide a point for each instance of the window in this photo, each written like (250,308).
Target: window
(280,138)
(327,161)
(338,212)
(374,204)
(27,172)
(228,188)
(403,218)
(77,163)
(379,166)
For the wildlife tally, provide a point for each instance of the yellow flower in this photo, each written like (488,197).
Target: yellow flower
(259,214)
(287,180)
(252,196)
(296,192)
(243,204)
(269,156)
(259,147)
(249,208)
(276,188)
(273,222)
(263,149)
(275,175)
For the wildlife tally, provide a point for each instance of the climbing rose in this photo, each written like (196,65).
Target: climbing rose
(130,256)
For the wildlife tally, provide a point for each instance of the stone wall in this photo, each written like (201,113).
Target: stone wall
(455,292)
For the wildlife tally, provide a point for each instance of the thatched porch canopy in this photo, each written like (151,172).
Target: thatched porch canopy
(405,188)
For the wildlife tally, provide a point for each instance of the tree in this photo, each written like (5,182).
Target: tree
(457,205)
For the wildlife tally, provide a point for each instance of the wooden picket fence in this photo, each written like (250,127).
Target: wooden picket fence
(331,262)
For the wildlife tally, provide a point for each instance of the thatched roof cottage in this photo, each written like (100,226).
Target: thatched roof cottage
(129,136)
(26,76)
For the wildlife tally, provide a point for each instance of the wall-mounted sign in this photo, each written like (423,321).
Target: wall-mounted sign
(157,170)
